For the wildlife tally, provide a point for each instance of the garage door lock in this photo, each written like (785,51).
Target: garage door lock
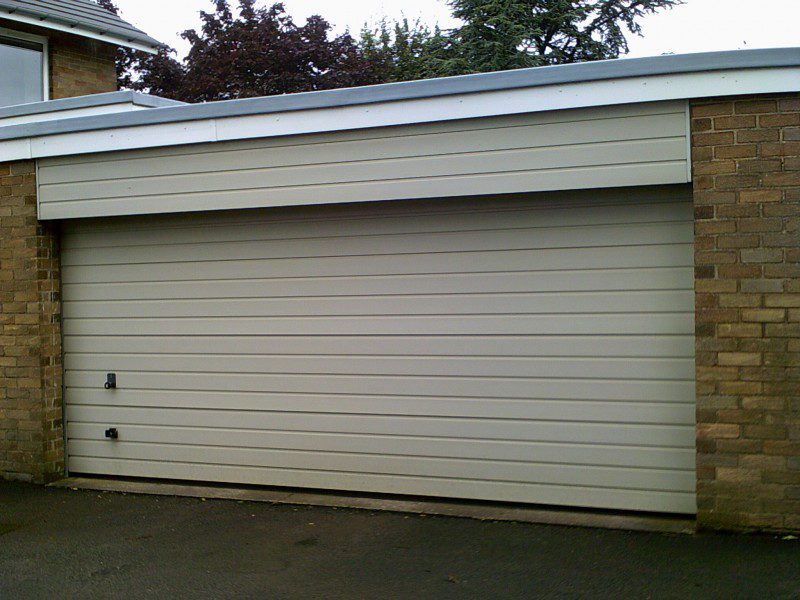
(112,433)
(111,381)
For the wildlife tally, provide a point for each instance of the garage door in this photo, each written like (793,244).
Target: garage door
(533,349)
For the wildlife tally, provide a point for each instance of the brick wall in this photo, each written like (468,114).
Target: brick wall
(746,163)
(31,442)
(79,66)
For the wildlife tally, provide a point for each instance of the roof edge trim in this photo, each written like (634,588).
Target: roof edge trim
(19,17)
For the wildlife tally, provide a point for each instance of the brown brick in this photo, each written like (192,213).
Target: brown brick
(713,139)
(702,124)
(789,104)
(779,120)
(759,165)
(788,148)
(791,178)
(713,197)
(736,181)
(782,300)
(735,151)
(712,110)
(739,271)
(759,224)
(737,210)
(750,240)
(765,432)
(739,330)
(717,430)
(761,255)
(757,106)
(739,358)
(715,285)
(717,167)
(760,196)
(736,300)
(737,122)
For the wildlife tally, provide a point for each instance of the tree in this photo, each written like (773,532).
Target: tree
(158,74)
(261,51)
(258,52)
(406,51)
(509,34)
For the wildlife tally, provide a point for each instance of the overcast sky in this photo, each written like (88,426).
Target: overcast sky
(697,26)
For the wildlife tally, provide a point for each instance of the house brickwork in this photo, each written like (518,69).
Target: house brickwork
(746,165)
(79,67)
(31,428)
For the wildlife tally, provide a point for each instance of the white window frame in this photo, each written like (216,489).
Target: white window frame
(37,39)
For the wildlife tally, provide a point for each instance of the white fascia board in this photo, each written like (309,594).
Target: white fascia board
(71,113)
(75,30)
(682,86)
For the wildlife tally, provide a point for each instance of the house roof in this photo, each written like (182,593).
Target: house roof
(594,84)
(80,17)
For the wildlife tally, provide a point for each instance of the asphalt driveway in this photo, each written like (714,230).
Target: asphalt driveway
(57,543)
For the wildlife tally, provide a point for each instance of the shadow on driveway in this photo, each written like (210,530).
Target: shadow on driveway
(61,543)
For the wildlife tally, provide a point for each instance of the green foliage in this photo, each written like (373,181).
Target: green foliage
(497,35)
(258,51)
(406,51)
(509,34)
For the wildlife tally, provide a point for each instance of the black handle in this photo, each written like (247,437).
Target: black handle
(112,433)
(111,381)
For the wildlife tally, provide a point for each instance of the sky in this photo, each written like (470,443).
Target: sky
(696,26)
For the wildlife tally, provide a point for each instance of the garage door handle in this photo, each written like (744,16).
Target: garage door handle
(111,381)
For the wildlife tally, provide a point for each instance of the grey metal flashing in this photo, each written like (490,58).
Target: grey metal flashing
(427,88)
(80,16)
(51,106)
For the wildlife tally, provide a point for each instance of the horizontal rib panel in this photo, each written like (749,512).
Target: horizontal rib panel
(419,466)
(645,234)
(623,499)
(336,171)
(672,255)
(546,409)
(476,184)
(467,387)
(675,346)
(591,368)
(630,280)
(593,210)
(491,304)
(610,324)
(542,452)
(676,436)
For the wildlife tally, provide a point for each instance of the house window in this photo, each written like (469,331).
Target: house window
(22,70)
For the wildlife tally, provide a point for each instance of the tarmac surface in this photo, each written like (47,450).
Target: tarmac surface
(64,543)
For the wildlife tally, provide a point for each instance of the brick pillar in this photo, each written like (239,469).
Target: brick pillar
(31,427)
(746,163)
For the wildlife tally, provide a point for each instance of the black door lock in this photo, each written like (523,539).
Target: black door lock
(112,433)
(111,381)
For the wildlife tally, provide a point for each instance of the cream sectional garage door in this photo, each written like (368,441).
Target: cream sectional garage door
(532,349)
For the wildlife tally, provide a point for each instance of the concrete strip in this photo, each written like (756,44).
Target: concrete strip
(480,511)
